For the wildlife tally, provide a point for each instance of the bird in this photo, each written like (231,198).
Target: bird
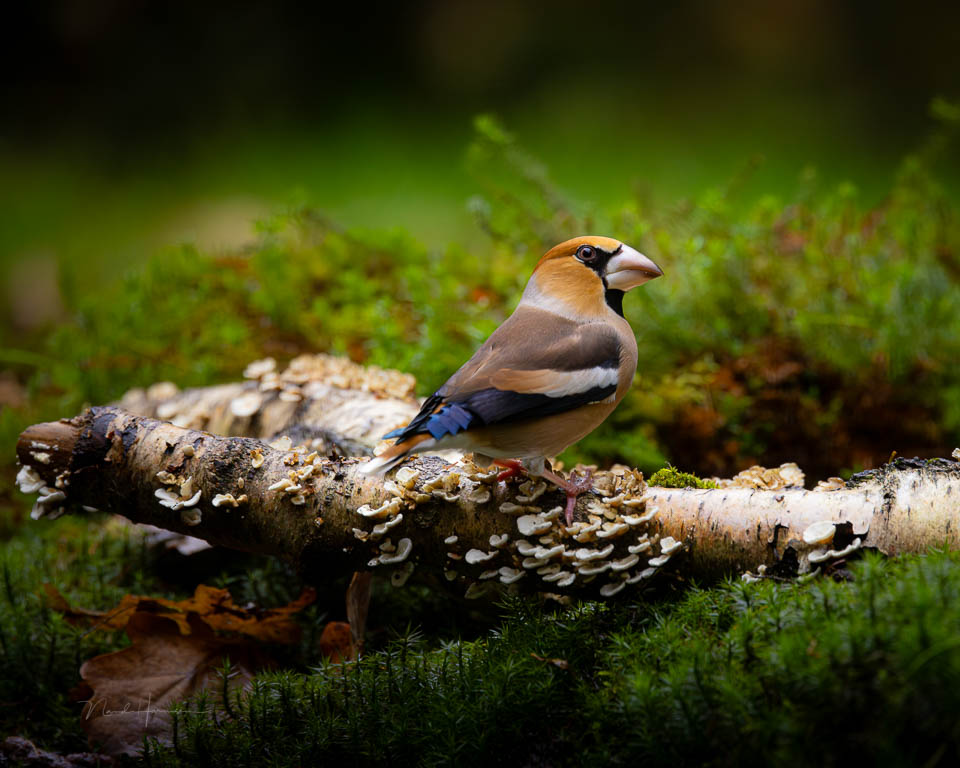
(547,377)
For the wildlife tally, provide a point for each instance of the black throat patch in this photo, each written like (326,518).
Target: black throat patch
(614,299)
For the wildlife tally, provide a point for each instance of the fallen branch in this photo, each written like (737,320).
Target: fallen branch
(329,401)
(328,519)
(906,506)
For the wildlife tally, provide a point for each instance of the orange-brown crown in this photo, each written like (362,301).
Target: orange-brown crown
(561,276)
(569,247)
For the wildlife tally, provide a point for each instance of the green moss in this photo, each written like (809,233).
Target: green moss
(671,477)
(750,675)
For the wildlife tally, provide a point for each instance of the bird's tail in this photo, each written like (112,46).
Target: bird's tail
(395,454)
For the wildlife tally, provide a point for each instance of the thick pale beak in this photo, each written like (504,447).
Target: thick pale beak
(630,268)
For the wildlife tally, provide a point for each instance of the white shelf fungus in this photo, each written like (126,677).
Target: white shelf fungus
(566,579)
(380,529)
(546,553)
(404,548)
(611,530)
(28,480)
(531,492)
(509,508)
(382,511)
(479,495)
(648,516)
(584,554)
(532,525)
(592,570)
(553,514)
(246,404)
(625,564)
(259,368)
(636,549)
(525,548)
(475,556)
(820,556)
(669,545)
(610,589)
(819,533)
(407,477)
(510,575)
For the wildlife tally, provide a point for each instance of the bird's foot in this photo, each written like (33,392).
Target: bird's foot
(511,468)
(572,486)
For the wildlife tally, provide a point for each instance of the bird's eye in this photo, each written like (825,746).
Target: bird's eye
(586,254)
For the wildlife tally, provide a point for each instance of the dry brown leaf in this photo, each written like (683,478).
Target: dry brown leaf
(336,642)
(133,689)
(59,603)
(176,653)
(214,606)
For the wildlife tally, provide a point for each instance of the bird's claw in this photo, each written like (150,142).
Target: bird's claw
(511,468)
(573,488)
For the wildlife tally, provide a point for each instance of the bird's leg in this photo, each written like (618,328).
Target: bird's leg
(511,468)
(573,487)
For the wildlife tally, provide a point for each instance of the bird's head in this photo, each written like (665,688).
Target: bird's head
(588,274)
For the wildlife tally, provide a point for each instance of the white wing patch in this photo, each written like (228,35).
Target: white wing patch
(552,383)
(575,382)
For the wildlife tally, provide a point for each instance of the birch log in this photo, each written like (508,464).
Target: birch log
(329,401)
(328,519)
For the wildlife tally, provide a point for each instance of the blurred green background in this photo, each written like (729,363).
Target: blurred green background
(697,131)
(134,125)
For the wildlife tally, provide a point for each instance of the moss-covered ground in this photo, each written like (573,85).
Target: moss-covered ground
(812,327)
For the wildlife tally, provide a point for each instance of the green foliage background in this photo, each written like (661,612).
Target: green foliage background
(857,301)
(860,299)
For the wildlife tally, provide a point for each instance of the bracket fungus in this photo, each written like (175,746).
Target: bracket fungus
(404,548)
(819,533)
(475,556)
(611,588)
(384,510)
(531,525)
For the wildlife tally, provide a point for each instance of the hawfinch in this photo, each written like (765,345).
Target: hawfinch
(547,377)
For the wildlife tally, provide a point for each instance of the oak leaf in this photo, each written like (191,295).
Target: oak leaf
(133,689)
(213,605)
